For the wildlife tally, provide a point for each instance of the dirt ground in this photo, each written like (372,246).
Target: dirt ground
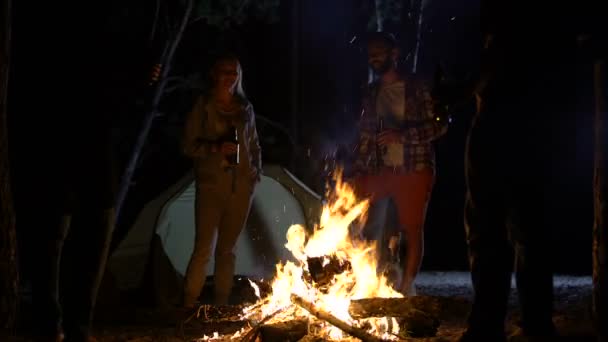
(572,314)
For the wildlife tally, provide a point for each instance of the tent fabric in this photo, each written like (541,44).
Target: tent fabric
(162,237)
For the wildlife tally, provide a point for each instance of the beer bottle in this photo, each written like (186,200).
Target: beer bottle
(233,137)
(379,150)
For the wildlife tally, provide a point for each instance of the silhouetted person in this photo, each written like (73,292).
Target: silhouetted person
(66,182)
(525,122)
(66,211)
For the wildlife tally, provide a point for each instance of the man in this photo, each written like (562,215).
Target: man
(395,156)
(66,214)
(66,184)
(524,126)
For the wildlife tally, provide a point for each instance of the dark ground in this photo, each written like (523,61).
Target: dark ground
(572,298)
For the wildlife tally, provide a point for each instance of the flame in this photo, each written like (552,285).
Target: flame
(335,238)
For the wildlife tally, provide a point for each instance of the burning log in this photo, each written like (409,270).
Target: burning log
(311,338)
(394,307)
(417,316)
(322,272)
(255,330)
(418,325)
(284,331)
(333,320)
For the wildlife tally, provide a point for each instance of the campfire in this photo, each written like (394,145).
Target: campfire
(333,289)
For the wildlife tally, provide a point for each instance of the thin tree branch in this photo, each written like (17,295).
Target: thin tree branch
(155,22)
(242,7)
(152,114)
(167,22)
(200,17)
(9,272)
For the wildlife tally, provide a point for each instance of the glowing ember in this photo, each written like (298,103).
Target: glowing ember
(333,242)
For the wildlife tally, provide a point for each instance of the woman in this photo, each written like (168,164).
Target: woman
(224,189)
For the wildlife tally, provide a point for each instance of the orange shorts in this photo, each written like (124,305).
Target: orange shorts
(411,193)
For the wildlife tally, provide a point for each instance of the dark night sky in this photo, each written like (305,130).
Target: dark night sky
(329,73)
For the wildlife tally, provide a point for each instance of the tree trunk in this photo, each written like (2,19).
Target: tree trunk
(411,21)
(600,227)
(165,62)
(296,94)
(379,16)
(9,276)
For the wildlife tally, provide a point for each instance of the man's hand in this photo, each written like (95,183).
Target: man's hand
(228,148)
(390,136)
(155,75)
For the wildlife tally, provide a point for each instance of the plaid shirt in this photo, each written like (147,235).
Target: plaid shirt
(420,127)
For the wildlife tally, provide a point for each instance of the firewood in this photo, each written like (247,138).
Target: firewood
(322,273)
(333,320)
(287,331)
(255,330)
(417,316)
(312,338)
(395,307)
(418,325)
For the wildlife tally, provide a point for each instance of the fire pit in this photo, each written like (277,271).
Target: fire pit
(333,290)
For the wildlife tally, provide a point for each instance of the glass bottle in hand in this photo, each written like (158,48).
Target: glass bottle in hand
(380,150)
(232,136)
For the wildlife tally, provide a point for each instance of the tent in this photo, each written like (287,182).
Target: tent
(155,252)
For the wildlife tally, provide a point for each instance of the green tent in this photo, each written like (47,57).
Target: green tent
(155,253)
